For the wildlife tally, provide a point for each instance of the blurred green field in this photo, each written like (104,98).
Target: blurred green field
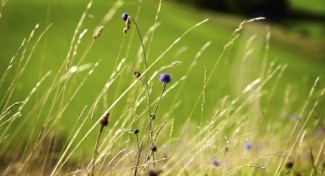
(245,61)
(312,6)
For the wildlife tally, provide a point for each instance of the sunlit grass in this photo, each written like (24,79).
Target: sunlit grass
(230,86)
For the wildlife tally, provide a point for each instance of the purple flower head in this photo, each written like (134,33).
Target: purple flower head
(248,145)
(125,16)
(216,162)
(294,117)
(165,78)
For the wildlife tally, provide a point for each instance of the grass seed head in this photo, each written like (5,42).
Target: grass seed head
(98,32)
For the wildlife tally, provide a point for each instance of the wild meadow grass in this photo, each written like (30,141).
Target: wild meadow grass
(150,115)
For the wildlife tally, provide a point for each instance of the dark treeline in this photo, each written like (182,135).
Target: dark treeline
(273,10)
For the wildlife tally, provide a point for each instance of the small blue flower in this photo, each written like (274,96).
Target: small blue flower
(248,145)
(125,16)
(294,117)
(216,162)
(165,78)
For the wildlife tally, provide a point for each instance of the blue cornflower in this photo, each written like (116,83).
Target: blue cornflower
(125,16)
(248,145)
(216,162)
(294,117)
(165,78)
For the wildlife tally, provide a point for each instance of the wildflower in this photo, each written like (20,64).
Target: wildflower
(127,19)
(125,16)
(165,78)
(216,162)
(320,132)
(248,145)
(294,117)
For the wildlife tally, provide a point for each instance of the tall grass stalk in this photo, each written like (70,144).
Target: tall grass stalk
(203,138)
(292,144)
(21,67)
(235,35)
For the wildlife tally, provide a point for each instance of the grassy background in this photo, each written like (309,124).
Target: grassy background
(303,56)
(313,6)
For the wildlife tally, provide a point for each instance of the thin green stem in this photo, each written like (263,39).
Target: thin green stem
(145,83)
(150,125)
(144,51)
(162,92)
(138,156)
(145,63)
(96,148)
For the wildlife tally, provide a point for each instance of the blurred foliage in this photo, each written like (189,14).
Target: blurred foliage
(272,9)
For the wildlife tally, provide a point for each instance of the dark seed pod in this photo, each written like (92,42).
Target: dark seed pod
(154,172)
(290,164)
(152,116)
(104,120)
(137,74)
(153,148)
(136,131)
